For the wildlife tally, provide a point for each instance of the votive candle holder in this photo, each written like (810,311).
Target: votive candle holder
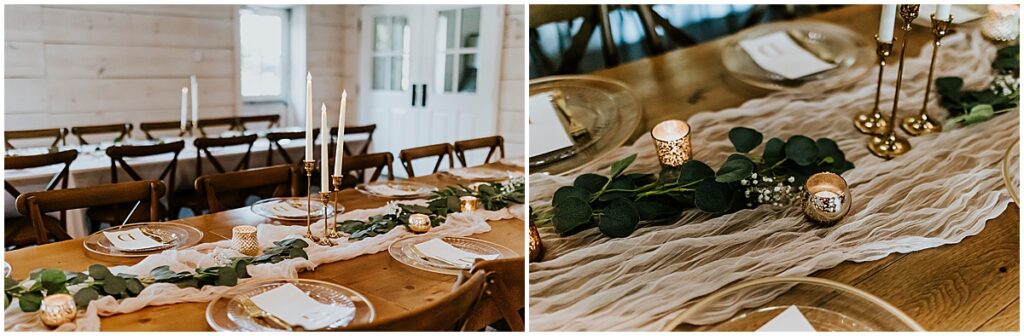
(57,309)
(672,142)
(468,203)
(243,240)
(828,198)
(419,223)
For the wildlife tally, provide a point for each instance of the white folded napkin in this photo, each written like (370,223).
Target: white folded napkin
(778,53)
(439,249)
(386,189)
(546,131)
(518,162)
(133,239)
(479,173)
(790,320)
(288,209)
(295,307)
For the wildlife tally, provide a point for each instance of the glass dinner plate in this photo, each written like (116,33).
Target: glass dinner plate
(265,208)
(403,251)
(606,107)
(179,236)
(481,174)
(854,56)
(408,189)
(1011,170)
(225,313)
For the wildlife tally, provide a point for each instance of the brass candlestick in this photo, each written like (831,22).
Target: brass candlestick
(309,165)
(336,181)
(891,145)
(325,197)
(922,123)
(873,122)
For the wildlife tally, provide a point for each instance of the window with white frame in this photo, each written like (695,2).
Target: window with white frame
(264,57)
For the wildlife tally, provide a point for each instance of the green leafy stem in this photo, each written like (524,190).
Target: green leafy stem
(968,107)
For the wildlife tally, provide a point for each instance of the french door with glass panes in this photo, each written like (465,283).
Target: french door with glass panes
(430,74)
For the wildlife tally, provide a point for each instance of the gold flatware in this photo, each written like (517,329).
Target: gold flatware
(254,311)
(809,45)
(156,236)
(575,128)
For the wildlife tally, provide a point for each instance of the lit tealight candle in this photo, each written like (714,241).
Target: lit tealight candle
(57,309)
(419,223)
(672,142)
(468,203)
(828,199)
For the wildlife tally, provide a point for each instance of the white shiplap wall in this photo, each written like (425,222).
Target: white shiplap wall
(333,57)
(511,111)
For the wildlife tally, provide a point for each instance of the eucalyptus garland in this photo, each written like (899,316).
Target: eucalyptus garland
(973,106)
(492,196)
(98,281)
(617,203)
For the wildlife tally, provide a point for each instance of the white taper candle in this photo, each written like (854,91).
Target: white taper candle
(195,100)
(886,23)
(184,107)
(942,12)
(324,141)
(309,117)
(339,151)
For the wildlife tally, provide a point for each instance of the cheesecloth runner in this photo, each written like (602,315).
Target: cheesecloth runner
(940,192)
(211,254)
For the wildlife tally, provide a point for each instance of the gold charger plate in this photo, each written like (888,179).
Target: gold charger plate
(265,207)
(179,235)
(606,107)
(225,313)
(415,189)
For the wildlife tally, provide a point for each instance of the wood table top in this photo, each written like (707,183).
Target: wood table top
(392,287)
(972,285)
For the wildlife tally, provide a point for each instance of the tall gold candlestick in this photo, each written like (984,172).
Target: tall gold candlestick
(922,123)
(891,145)
(873,122)
(309,165)
(336,181)
(325,197)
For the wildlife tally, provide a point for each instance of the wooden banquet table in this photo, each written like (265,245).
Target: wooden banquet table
(972,285)
(390,286)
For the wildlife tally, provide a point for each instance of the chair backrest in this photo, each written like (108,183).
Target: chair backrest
(351,130)
(272,120)
(123,131)
(354,167)
(203,145)
(42,160)
(118,153)
(58,135)
(407,156)
(146,127)
(504,295)
(445,314)
(493,143)
(231,123)
(274,140)
(35,204)
(229,190)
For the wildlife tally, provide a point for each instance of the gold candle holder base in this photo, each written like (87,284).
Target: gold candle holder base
(336,181)
(888,147)
(874,122)
(325,240)
(309,166)
(922,124)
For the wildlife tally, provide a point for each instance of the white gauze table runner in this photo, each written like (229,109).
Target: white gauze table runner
(212,254)
(940,192)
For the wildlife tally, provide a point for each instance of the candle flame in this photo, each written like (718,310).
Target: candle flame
(309,76)
(184,89)
(323,108)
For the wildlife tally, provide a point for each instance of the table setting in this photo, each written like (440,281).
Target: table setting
(674,230)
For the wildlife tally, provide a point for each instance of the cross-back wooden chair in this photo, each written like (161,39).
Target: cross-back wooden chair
(407,156)
(272,120)
(20,231)
(492,143)
(503,296)
(36,204)
(230,123)
(274,142)
(354,167)
(445,314)
(352,130)
(148,127)
(190,197)
(117,154)
(58,134)
(229,190)
(123,131)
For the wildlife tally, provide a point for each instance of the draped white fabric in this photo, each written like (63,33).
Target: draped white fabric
(940,192)
(211,254)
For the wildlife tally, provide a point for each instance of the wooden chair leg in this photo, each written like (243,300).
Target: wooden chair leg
(611,54)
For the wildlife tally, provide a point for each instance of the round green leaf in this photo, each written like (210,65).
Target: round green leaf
(693,171)
(572,213)
(713,197)
(745,139)
(801,150)
(99,272)
(227,277)
(736,168)
(134,286)
(589,184)
(567,192)
(619,183)
(29,302)
(51,277)
(828,148)
(774,150)
(620,218)
(86,295)
(114,285)
(621,165)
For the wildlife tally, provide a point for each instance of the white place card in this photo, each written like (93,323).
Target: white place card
(437,248)
(778,53)
(791,320)
(546,131)
(286,209)
(129,240)
(291,304)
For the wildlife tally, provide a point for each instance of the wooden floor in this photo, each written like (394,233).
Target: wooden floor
(973,285)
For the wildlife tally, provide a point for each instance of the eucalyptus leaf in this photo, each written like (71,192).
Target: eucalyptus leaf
(736,168)
(589,184)
(620,218)
(713,197)
(99,272)
(802,150)
(694,171)
(85,295)
(621,165)
(114,285)
(745,139)
(774,151)
(567,192)
(570,214)
(30,301)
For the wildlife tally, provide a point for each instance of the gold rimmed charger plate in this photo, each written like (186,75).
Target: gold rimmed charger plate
(180,235)
(265,208)
(606,107)
(225,313)
(414,189)
(1011,162)
(488,174)
(403,251)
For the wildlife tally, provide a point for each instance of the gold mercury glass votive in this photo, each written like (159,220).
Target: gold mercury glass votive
(672,142)
(828,198)
(57,309)
(243,240)
(419,223)
(468,203)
